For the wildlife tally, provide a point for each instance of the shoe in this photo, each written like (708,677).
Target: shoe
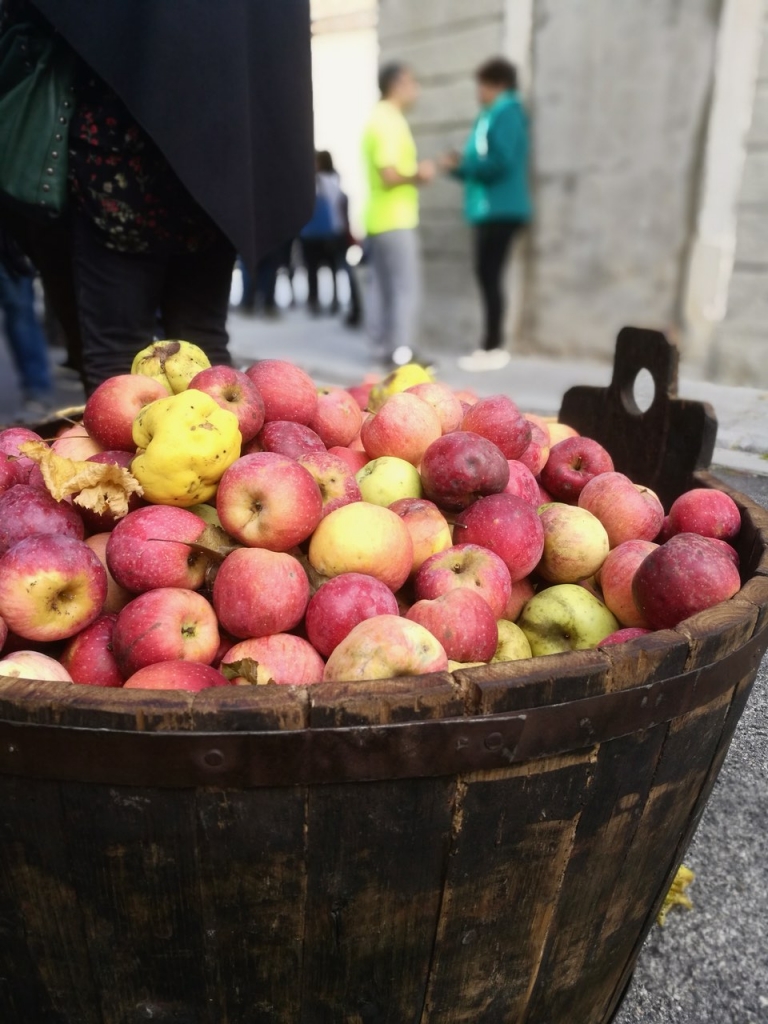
(484,359)
(35,410)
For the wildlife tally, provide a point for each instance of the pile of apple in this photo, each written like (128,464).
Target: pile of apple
(394,529)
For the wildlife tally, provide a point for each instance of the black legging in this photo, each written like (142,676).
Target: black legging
(492,243)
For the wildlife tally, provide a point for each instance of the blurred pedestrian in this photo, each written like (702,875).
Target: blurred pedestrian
(494,169)
(171,171)
(392,216)
(27,343)
(325,240)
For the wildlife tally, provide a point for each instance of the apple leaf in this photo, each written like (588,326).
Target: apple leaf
(247,669)
(100,486)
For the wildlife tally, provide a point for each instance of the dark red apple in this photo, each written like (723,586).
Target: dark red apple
(683,577)
(460,467)
(26,510)
(340,604)
(286,438)
(571,464)
(88,657)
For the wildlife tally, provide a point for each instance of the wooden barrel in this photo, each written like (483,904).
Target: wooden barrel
(486,847)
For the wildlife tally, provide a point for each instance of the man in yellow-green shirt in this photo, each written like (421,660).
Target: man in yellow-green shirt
(392,216)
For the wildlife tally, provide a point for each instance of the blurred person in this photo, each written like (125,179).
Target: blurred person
(26,340)
(392,216)
(325,240)
(260,289)
(171,171)
(497,203)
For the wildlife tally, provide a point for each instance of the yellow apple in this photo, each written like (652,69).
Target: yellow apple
(388,479)
(513,643)
(365,538)
(385,647)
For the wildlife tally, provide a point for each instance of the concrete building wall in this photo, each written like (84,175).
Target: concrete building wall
(620,107)
(739,353)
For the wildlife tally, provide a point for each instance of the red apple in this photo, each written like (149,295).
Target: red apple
(427,526)
(623,636)
(10,440)
(627,512)
(508,526)
(536,454)
(522,484)
(51,587)
(88,657)
(26,510)
(361,393)
(337,418)
(258,592)
(114,405)
(356,444)
(571,464)
(364,538)
(33,665)
(448,407)
(682,577)
(461,467)
(342,603)
(616,576)
(705,511)
(462,621)
(281,658)
(102,522)
(499,420)
(465,566)
(10,474)
(286,438)
(542,422)
(149,549)
(234,391)
(522,592)
(334,478)
(405,426)
(353,458)
(3,634)
(384,647)
(726,549)
(545,498)
(288,392)
(268,501)
(165,625)
(117,596)
(176,675)
(575,543)
(75,443)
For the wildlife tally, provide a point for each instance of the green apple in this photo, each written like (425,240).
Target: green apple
(565,618)
(513,643)
(457,666)
(575,543)
(206,512)
(388,479)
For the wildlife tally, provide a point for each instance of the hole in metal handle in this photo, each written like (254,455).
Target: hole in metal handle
(639,395)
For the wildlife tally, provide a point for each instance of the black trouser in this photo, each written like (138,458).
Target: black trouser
(48,244)
(492,243)
(329,252)
(126,300)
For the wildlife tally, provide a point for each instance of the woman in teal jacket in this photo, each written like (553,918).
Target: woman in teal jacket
(494,169)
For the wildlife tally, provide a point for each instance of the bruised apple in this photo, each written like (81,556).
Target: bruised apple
(281,658)
(384,647)
(461,467)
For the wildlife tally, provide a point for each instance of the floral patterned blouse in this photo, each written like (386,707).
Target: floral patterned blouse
(118,177)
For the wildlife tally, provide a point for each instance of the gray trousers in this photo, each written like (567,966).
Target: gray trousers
(394,298)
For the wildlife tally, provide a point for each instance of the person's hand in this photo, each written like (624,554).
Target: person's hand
(426,172)
(449,161)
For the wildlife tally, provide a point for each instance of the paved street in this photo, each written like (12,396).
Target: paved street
(709,966)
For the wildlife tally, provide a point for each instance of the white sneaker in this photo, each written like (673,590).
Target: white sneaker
(484,359)
(402,355)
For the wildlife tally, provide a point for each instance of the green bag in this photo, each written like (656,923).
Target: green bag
(37,71)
